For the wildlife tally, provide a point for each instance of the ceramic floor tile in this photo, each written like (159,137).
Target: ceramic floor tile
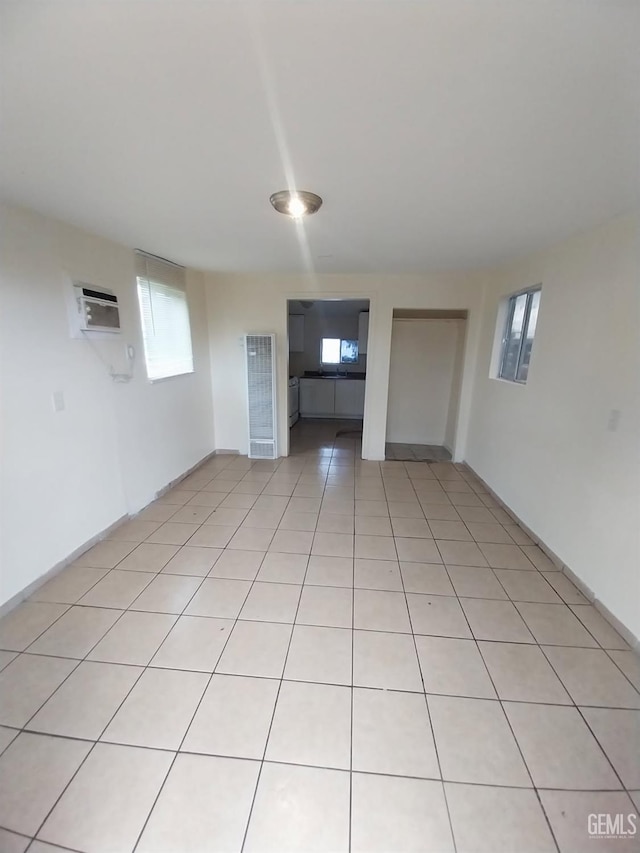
(227,517)
(34,770)
(256,648)
(330,571)
(332,523)
(300,504)
(6,658)
(617,731)
(27,683)
(475,743)
(221,597)
(234,717)
(567,591)
(311,725)
(387,661)
(476,582)
(476,514)
(460,553)
(377,574)
(69,585)
(167,594)
(271,602)
(84,704)
(269,519)
(417,550)
(10,842)
(292,541)
(135,530)
(495,620)
(238,565)
(555,625)
(332,545)
(559,749)
(372,508)
(437,615)
(26,622)
(84,816)
(592,678)
(454,667)
(212,536)
(76,632)
(405,509)
(506,557)
(420,820)
(412,528)
(598,627)
(489,533)
(320,654)
(299,521)
(158,710)
(192,514)
(134,639)
(629,663)
(105,555)
(204,804)
(439,511)
(251,539)
(117,589)
(192,560)
(300,808)
(377,610)
(572,813)
(487,819)
(173,533)
(7,735)
(369,525)
(283,568)
(450,530)
(392,734)
(522,673)
(430,578)
(195,643)
(529,586)
(326,606)
(148,557)
(538,558)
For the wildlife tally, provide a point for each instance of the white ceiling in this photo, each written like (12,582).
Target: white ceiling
(441,134)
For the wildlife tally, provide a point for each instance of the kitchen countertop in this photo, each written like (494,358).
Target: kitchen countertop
(315,374)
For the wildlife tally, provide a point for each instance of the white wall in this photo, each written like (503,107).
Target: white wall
(545,447)
(421,379)
(67,476)
(258,303)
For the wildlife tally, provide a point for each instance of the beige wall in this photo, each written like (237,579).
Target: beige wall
(548,448)
(258,303)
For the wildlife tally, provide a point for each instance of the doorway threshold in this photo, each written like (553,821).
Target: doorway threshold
(416,453)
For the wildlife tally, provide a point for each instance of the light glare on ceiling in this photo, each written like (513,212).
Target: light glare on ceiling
(296,203)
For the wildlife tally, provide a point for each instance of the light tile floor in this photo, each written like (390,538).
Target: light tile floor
(315,654)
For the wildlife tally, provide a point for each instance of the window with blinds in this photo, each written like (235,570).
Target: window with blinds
(164,314)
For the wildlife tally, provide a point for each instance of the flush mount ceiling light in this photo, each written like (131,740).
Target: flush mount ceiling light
(295,203)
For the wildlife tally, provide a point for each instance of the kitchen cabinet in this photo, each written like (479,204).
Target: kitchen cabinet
(296,332)
(349,398)
(363,332)
(317,397)
(328,398)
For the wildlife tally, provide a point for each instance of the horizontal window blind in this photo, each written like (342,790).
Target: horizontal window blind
(164,314)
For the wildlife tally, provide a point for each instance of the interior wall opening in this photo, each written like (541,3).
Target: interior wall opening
(327,346)
(425,373)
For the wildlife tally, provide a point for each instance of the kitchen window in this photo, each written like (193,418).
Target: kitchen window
(164,315)
(338,351)
(519,331)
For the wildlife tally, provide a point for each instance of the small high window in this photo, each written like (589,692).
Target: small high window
(337,351)
(519,331)
(164,314)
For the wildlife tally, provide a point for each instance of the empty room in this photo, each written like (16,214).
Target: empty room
(319,426)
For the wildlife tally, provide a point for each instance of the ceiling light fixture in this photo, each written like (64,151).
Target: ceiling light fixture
(296,203)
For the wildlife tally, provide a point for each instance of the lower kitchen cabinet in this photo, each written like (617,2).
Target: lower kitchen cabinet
(329,398)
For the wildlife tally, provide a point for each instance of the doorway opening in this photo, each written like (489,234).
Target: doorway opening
(425,373)
(327,345)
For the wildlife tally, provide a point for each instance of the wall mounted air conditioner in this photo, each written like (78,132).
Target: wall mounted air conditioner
(260,356)
(96,309)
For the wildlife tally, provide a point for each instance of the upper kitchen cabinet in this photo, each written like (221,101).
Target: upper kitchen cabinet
(296,332)
(363,331)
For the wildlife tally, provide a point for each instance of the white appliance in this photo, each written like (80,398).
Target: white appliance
(96,310)
(260,355)
(294,400)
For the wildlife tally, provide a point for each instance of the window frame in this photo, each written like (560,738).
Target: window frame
(157,273)
(507,333)
(340,361)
